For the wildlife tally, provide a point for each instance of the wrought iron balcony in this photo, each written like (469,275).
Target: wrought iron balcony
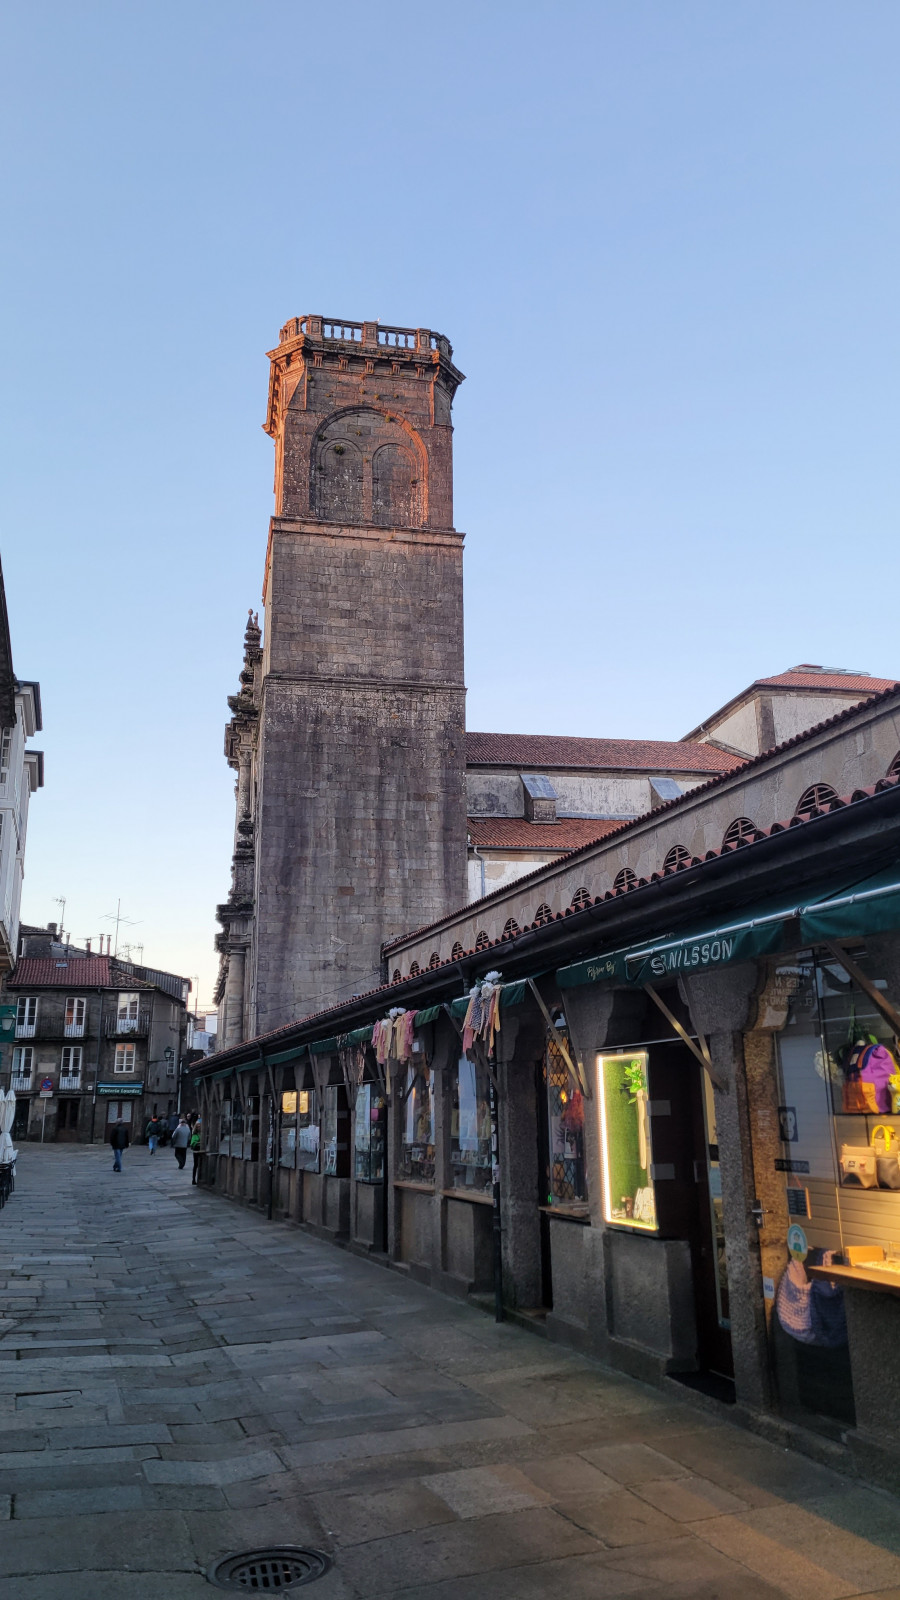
(73,1030)
(25,1030)
(21,1085)
(69,1081)
(127,1027)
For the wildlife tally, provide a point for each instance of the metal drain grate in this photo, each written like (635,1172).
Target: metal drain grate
(284,1566)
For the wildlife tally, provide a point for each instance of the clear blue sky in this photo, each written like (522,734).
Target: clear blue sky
(663,239)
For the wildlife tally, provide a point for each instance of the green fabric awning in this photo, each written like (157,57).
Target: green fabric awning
(839,910)
(358,1036)
(284,1056)
(872,906)
(224,1072)
(430,1014)
(324,1047)
(512,994)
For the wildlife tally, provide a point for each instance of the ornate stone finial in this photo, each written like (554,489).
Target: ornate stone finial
(252,632)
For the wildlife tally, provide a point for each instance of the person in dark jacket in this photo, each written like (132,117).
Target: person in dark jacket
(196,1147)
(119,1139)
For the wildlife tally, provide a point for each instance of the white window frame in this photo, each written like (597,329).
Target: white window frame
(26,1016)
(5,750)
(129,1013)
(71,1061)
(23,1061)
(126,1053)
(75,1016)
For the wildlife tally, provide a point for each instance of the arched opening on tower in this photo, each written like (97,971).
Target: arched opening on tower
(394,487)
(339,482)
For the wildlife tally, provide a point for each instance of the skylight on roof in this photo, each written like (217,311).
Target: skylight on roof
(539,786)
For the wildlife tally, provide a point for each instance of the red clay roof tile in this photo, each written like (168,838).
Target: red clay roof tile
(514,833)
(62,972)
(528,751)
(853,682)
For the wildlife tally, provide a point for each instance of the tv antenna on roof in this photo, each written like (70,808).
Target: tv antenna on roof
(117,918)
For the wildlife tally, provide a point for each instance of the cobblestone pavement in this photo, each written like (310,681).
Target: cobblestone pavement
(180,1379)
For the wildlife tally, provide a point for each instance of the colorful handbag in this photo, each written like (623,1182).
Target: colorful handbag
(858,1166)
(826,1305)
(868,1069)
(793,1303)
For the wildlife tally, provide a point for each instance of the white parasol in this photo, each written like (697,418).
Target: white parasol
(7,1117)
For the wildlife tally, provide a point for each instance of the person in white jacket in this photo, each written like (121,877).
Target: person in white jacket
(181,1138)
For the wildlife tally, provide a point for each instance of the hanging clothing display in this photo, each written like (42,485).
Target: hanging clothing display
(392,1038)
(482,1019)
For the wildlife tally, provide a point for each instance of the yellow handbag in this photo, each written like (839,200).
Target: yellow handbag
(887,1166)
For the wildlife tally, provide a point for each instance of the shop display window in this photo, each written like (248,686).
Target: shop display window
(470,1128)
(329,1130)
(237,1128)
(225,1128)
(629,1198)
(566,1176)
(287,1150)
(416,1156)
(251,1128)
(307,1130)
(808,1332)
(368,1134)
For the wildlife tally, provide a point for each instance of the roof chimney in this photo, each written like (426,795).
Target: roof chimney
(51,928)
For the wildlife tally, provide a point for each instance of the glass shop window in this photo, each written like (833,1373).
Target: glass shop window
(287,1147)
(307,1130)
(416,1159)
(808,1343)
(225,1128)
(566,1177)
(237,1128)
(864,1074)
(251,1128)
(330,1130)
(629,1199)
(470,1128)
(368,1134)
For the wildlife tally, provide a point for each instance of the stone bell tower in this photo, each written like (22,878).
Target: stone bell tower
(353,729)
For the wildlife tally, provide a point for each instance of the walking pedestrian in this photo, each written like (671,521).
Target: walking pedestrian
(197,1150)
(154,1129)
(181,1138)
(119,1139)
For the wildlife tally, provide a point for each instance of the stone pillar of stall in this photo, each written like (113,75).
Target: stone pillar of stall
(722,1004)
(519,1048)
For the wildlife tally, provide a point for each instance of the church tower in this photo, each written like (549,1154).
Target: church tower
(348,731)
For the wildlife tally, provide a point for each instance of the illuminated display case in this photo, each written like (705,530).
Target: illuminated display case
(369,1131)
(629,1196)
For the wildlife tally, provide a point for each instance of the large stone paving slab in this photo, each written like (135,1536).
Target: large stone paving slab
(180,1378)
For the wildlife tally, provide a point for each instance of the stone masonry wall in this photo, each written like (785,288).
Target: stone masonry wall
(361,830)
